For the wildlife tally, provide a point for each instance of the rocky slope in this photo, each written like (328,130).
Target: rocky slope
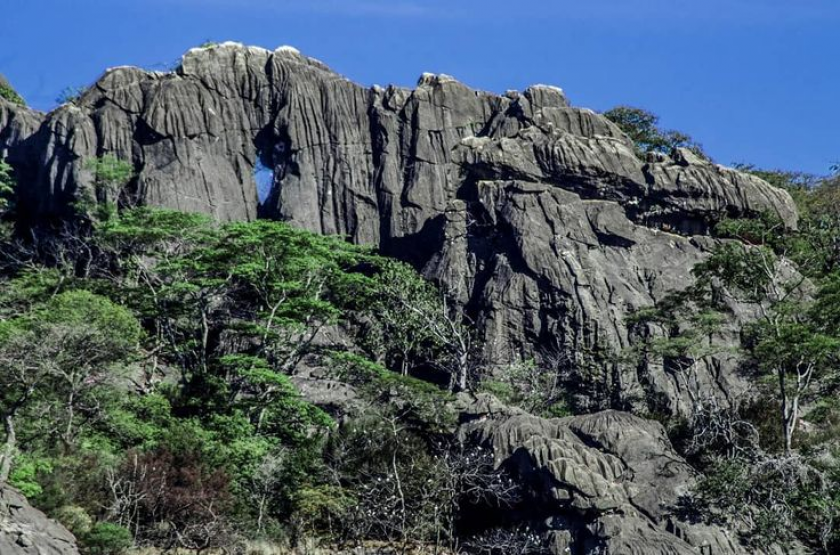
(604,483)
(537,215)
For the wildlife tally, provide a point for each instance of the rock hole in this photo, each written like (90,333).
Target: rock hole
(264,177)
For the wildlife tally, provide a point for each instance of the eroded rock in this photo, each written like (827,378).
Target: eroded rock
(25,530)
(606,482)
(538,215)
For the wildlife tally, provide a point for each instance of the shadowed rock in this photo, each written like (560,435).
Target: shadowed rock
(26,531)
(606,482)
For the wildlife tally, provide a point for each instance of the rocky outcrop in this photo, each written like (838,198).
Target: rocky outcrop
(607,482)
(537,215)
(26,531)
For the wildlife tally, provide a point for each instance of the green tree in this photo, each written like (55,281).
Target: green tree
(56,357)
(418,324)
(642,128)
(537,389)
(110,176)
(788,340)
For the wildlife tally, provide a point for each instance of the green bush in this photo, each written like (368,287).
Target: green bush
(75,519)
(11,95)
(106,538)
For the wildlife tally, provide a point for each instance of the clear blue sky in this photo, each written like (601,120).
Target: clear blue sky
(753,80)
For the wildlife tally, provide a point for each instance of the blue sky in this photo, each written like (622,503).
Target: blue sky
(752,80)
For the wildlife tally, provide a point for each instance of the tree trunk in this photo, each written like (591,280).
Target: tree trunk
(463,370)
(9,451)
(791,418)
(787,431)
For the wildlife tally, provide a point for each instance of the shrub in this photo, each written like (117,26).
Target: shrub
(533,388)
(7,184)
(70,95)
(75,519)
(106,538)
(10,94)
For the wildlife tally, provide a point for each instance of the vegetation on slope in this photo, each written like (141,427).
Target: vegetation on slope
(148,396)
(146,384)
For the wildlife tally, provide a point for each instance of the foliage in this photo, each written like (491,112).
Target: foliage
(789,340)
(417,404)
(55,356)
(8,93)
(771,500)
(815,245)
(765,473)
(71,95)
(536,389)
(106,538)
(418,328)
(75,519)
(110,176)
(7,187)
(642,128)
(161,340)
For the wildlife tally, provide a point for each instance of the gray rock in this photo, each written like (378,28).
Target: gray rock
(610,479)
(537,214)
(26,531)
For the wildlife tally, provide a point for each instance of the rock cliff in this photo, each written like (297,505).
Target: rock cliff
(606,482)
(26,531)
(536,214)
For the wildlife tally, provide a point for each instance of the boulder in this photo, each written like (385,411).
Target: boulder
(25,530)
(606,482)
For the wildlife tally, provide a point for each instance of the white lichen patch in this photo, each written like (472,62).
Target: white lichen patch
(549,88)
(435,79)
(286,49)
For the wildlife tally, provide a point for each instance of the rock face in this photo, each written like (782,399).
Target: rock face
(606,482)
(26,531)
(536,214)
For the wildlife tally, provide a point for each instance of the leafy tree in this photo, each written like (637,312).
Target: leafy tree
(772,501)
(787,340)
(642,128)
(815,245)
(536,389)
(110,175)
(7,187)
(209,321)
(417,324)
(56,356)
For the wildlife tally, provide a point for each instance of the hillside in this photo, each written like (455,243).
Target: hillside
(560,344)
